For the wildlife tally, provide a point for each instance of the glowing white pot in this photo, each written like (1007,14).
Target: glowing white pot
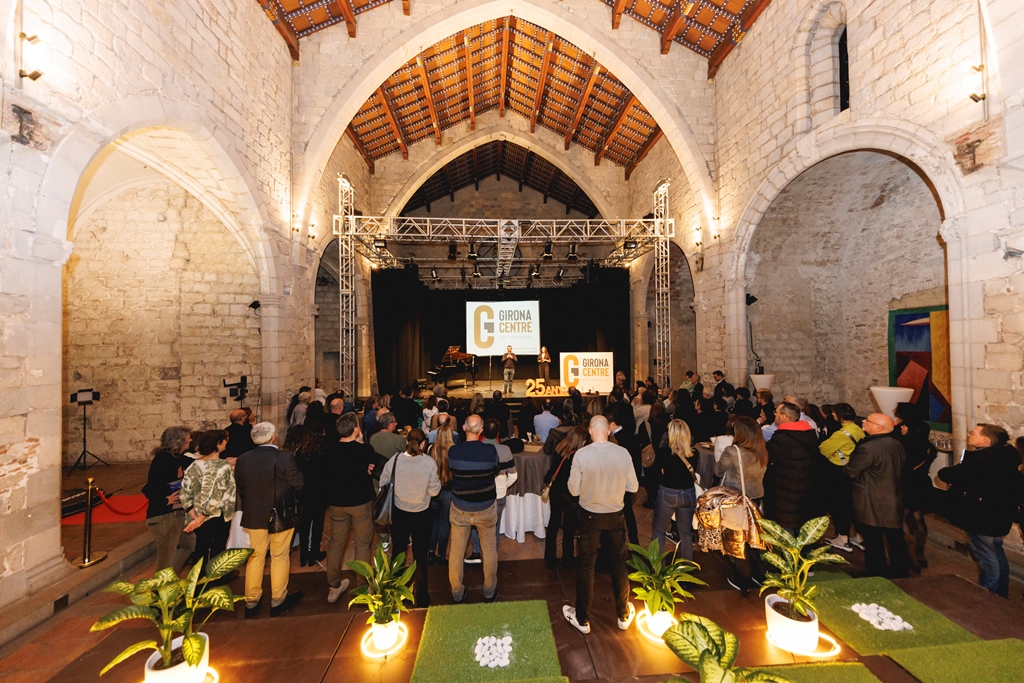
(385,635)
(790,634)
(762,381)
(180,673)
(660,622)
(887,397)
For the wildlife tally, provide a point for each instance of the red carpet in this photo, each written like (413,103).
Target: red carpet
(135,505)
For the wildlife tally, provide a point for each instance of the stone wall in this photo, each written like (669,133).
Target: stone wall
(849,239)
(328,321)
(497,199)
(156,317)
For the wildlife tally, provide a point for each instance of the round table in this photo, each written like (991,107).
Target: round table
(525,512)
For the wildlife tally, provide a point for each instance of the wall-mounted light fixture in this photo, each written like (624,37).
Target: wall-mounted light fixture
(35,74)
(698,242)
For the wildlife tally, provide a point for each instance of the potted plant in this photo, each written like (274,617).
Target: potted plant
(171,604)
(711,651)
(661,582)
(789,612)
(385,594)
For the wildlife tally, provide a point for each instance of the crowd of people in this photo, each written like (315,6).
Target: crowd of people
(450,463)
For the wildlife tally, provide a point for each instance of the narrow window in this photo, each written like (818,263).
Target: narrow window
(844,73)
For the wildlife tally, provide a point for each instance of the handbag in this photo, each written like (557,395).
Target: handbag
(384,503)
(286,514)
(545,493)
(647,453)
(735,517)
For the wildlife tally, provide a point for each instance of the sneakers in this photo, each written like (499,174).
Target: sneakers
(493,598)
(857,543)
(385,543)
(474,558)
(741,585)
(624,623)
(570,615)
(251,612)
(334,593)
(844,546)
(290,601)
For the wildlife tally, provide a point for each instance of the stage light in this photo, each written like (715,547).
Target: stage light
(380,244)
(462,272)
(535,271)
(476,271)
(472,255)
(751,299)
(433,273)
(572,256)
(629,244)
(453,251)
(547,252)
(558,277)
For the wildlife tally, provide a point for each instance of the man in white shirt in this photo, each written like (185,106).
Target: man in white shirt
(601,475)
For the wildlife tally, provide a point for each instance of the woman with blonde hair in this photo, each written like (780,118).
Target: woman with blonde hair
(441,504)
(676,493)
(748,448)
(477,404)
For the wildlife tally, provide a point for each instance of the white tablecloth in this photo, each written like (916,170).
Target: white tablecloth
(239,538)
(524,514)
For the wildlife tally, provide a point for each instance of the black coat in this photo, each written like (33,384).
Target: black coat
(264,477)
(982,490)
(789,480)
(876,468)
(239,440)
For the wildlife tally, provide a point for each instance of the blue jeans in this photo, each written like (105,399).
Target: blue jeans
(993,569)
(474,538)
(440,507)
(682,502)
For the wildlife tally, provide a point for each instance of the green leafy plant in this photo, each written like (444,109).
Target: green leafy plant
(788,557)
(171,604)
(387,586)
(661,579)
(712,651)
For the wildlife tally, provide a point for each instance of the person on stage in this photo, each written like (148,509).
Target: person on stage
(544,364)
(509,361)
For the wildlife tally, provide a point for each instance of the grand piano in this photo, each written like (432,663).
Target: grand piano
(452,363)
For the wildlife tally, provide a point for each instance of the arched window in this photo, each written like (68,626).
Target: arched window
(843,71)
(827,66)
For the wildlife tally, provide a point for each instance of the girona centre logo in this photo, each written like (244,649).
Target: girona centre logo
(571,370)
(483,327)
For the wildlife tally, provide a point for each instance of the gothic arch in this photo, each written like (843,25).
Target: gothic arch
(465,14)
(126,123)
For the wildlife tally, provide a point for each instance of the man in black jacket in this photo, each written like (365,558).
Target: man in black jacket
(406,410)
(265,476)
(876,468)
(789,479)
(982,502)
(239,435)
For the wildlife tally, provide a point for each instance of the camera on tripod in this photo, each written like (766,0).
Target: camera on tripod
(237,390)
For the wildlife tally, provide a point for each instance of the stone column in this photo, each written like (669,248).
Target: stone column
(274,318)
(640,317)
(737,340)
(963,319)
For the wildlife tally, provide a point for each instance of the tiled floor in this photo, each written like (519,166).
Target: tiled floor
(321,641)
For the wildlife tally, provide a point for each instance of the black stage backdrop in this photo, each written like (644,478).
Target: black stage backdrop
(413,325)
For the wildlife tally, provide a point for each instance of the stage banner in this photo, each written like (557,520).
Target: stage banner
(588,371)
(491,326)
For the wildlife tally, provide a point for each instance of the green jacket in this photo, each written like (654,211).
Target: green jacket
(838,447)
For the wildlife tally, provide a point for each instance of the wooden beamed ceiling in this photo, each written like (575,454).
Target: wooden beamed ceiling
(708,27)
(509,64)
(502,158)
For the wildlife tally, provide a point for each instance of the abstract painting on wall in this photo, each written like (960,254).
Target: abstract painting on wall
(919,360)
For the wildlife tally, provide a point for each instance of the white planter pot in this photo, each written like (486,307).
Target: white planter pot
(385,635)
(181,673)
(762,381)
(660,622)
(790,634)
(887,397)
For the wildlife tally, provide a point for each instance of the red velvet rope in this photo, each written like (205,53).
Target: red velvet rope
(113,509)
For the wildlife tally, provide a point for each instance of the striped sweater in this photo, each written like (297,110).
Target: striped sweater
(474,465)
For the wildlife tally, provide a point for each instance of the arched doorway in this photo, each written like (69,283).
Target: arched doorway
(327,333)
(847,242)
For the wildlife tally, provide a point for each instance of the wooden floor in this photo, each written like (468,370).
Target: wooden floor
(117,479)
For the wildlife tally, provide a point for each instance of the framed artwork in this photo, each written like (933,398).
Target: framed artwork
(919,360)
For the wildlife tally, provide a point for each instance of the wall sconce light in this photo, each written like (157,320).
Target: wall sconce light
(311,236)
(35,74)
(978,98)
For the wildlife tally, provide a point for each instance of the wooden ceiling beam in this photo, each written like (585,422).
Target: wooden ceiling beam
(405,7)
(349,14)
(522,169)
(359,147)
(542,81)
(681,11)
(277,17)
(505,58)
(614,130)
(594,73)
(393,122)
(429,96)
(476,171)
(745,21)
(551,183)
(642,152)
(468,56)
(617,9)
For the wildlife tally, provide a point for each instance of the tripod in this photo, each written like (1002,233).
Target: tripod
(83,458)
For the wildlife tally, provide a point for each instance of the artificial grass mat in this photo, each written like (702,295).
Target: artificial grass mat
(824,572)
(829,672)
(991,661)
(834,602)
(446,652)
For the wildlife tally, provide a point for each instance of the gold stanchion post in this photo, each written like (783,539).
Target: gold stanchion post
(88,558)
